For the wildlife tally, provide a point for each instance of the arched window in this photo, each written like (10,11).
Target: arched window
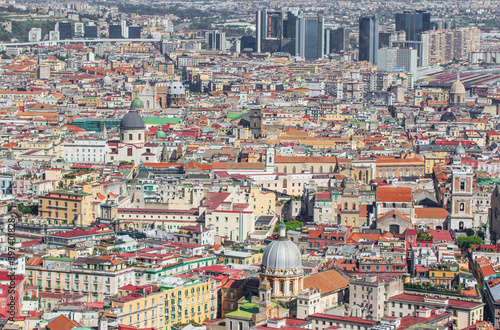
(331,169)
(129,151)
(284,169)
(293,169)
(147,104)
(312,169)
(139,136)
(462,207)
(354,206)
(285,183)
(345,206)
(321,169)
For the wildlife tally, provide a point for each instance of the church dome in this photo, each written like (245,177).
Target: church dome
(137,104)
(132,120)
(460,150)
(448,116)
(160,134)
(176,87)
(281,256)
(457,88)
(107,81)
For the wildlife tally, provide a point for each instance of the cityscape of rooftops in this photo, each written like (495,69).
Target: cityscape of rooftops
(249,165)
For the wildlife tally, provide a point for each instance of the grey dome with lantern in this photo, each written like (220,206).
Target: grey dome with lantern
(132,120)
(176,87)
(282,256)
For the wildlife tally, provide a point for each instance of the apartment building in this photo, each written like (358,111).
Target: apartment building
(161,219)
(368,295)
(94,278)
(138,306)
(235,221)
(445,45)
(66,207)
(464,313)
(188,299)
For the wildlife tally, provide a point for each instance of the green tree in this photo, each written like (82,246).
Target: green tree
(290,225)
(469,241)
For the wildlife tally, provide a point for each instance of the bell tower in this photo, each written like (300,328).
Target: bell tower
(264,296)
(270,160)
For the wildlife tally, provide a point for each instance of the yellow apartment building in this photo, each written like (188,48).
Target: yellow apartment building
(66,207)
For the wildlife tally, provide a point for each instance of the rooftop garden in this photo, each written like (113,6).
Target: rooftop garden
(457,289)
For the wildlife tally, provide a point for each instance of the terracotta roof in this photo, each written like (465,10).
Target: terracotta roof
(328,281)
(391,213)
(358,236)
(394,194)
(62,323)
(430,213)
(238,166)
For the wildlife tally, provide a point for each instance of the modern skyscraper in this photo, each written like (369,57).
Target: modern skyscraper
(413,23)
(115,31)
(216,40)
(64,29)
(90,31)
(337,40)
(309,42)
(134,32)
(368,39)
(275,31)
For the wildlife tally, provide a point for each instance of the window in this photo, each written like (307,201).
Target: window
(462,207)
(129,151)
(130,136)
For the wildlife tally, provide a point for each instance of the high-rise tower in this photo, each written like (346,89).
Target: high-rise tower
(368,39)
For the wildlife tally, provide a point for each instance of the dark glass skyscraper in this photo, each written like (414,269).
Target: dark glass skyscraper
(115,31)
(337,40)
(368,39)
(90,31)
(413,23)
(65,31)
(309,41)
(275,31)
(134,32)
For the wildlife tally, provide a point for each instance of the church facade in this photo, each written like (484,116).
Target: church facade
(132,145)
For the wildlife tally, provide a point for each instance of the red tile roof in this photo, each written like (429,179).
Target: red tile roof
(394,194)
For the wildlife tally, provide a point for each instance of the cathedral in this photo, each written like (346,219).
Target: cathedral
(159,95)
(132,146)
(281,279)
(282,267)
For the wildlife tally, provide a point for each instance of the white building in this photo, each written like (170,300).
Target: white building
(86,150)
(35,35)
(79,29)
(397,60)
(54,35)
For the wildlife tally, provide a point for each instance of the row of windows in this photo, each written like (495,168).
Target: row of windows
(294,169)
